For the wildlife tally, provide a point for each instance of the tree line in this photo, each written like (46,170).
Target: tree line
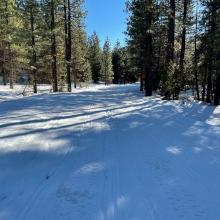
(171,46)
(175,45)
(46,39)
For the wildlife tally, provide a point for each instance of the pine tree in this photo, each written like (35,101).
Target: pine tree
(106,66)
(12,45)
(30,19)
(68,40)
(210,49)
(9,28)
(170,78)
(95,57)
(81,68)
(135,33)
(181,77)
(3,42)
(52,62)
(148,46)
(160,43)
(196,51)
(216,14)
(117,61)
(81,65)
(53,46)
(140,32)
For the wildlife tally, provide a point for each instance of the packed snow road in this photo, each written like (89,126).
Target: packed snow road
(107,153)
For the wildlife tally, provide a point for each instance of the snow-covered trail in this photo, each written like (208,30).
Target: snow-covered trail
(108,154)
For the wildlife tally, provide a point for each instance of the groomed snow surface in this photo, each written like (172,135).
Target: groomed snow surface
(108,153)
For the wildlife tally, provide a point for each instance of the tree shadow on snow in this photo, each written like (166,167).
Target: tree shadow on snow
(84,144)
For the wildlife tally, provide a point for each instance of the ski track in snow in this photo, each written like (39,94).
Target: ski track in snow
(107,153)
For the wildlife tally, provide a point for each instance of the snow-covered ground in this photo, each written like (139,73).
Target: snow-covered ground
(107,153)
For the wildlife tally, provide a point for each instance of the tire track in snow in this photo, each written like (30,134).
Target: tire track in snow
(44,183)
(130,176)
(106,206)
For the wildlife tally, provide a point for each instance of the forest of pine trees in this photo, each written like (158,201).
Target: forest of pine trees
(175,46)
(172,45)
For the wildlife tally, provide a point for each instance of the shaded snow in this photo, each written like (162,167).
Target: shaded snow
(107,153)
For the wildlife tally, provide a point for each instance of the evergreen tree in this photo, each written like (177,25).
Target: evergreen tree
(129,68)
(51,37)
(135,32)
(106,66)
(210,49)
(140,32)
(117,61)
(68,40)
(53,6)
(170,79)
(81,65)
(11,48)
(81,68)
(196,51)
(217,45)
(95,57)
(30,10)
(181,77)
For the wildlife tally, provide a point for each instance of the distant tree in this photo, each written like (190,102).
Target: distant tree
(95,57)
(106,65)
(117,61)
(80,58)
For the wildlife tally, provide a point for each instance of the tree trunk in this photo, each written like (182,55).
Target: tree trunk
(68,41)
(105,72)
(53,49)
(204,81)
(211,54)
(34,56)
(183,45)
(170,44)
(148,63)
(217,82)
(65,26)
(11,74)
(75,77)
(69,52)
(141,82)
(148,66)
(209,83)
(217,90)
(196,77)
(196,56)
(4,76)
(171,32)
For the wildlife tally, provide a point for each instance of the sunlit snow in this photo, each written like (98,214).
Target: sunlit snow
(107,153)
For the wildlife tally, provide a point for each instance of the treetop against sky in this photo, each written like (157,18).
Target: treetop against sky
(107,18)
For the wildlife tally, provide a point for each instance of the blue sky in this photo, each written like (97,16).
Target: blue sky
(107,18)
